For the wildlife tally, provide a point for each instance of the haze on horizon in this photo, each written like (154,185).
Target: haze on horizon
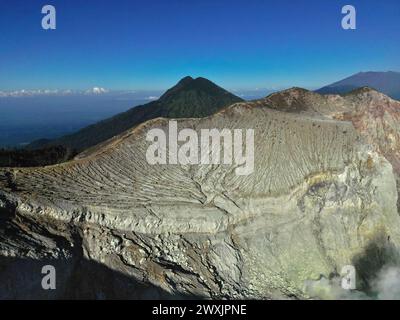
(124,45)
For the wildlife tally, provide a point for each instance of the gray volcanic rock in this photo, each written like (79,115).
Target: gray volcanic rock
(322,196)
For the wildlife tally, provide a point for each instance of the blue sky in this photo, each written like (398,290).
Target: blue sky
(152,44)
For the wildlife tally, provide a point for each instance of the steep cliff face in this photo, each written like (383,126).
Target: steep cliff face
(321,196)
(375,116)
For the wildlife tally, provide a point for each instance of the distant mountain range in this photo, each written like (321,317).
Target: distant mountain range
(194,98)
(189,98)
(385,82)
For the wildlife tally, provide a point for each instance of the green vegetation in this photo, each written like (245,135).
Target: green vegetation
(190,98)
(34,158)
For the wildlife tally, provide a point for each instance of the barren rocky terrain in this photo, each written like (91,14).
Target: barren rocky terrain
(323,195)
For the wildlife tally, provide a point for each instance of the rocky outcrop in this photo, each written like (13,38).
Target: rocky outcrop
(321,196)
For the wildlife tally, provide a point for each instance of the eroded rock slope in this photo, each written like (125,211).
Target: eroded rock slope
(323,195)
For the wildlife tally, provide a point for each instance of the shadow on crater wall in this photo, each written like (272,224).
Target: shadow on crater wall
(76,277)
(83,279)
(378,254)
